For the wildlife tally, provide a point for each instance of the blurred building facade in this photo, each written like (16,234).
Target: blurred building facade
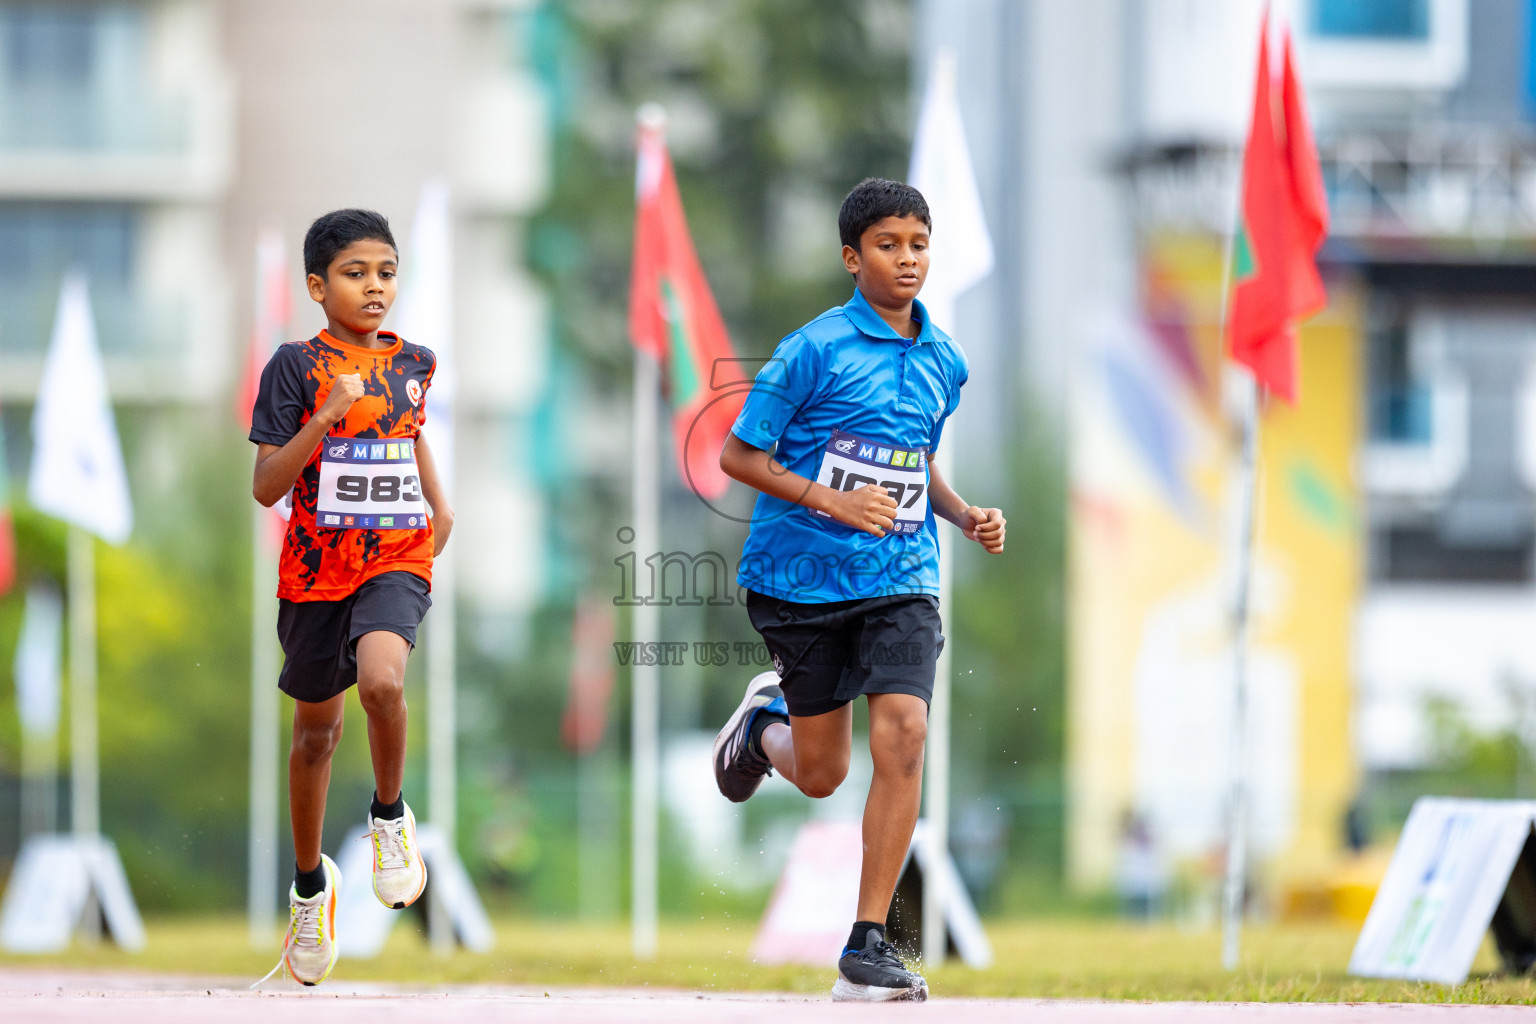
(148,141)
(1432,160)
(1397,540)
(1395,559)
(115,151)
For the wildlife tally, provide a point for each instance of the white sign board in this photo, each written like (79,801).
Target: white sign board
(365,922)
(1451,868)
(817,897)
(57,880)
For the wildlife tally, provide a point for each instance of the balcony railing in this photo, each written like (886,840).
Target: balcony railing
(92,123)
(1464,184)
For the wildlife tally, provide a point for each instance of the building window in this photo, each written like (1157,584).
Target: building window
(1401,401)
(1420,554)
(1388,20)
(39,242)
(1385,44)
(48,44)
(78,76)
(45,239)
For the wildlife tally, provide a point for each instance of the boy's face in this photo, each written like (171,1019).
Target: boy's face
(359,286)
(891,262)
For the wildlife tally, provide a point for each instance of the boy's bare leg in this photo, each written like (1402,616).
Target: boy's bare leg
(316,731)
(812,753)
(381,657)
(898,727)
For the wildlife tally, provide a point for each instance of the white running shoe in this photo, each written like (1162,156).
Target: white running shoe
(739,769)
(399,873)
(309,948)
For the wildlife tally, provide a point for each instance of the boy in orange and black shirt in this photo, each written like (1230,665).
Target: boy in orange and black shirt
(338,423)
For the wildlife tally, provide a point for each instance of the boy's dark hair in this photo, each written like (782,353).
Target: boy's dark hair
(874,199)
(334,231)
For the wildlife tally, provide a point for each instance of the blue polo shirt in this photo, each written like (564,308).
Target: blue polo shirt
(846,370)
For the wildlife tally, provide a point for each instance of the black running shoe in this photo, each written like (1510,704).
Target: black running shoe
(875,974)
(739,770)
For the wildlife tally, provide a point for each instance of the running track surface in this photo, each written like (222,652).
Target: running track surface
(67,998)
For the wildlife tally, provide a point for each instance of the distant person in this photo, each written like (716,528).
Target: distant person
(842,561)
(338,423)
(1141,877)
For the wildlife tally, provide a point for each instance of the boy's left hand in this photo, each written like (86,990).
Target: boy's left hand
(986,527)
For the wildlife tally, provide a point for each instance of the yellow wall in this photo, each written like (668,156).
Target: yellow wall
(1310,527)
(1133,554)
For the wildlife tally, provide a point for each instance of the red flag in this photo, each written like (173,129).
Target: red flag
(269,322)
(269,326)
(591,683)
(1284,222)
(673,318)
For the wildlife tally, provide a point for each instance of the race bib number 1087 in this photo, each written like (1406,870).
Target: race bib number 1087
(851,462)
(369,484)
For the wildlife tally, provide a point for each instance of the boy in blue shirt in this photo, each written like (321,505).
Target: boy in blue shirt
(841,565)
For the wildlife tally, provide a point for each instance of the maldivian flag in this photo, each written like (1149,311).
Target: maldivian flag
(269,319)
(673,318)
(269,324)
(1284,222)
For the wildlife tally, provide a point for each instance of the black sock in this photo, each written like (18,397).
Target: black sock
(389,812)
(309,883)
(860,934)
(761,720)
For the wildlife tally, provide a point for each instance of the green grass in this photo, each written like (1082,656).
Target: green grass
(1080,959)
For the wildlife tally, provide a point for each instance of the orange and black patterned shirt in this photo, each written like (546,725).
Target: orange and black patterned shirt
(319,564)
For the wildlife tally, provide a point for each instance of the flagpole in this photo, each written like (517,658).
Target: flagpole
(78,476)
(644,679)
(426,317)
(261,854)
(1237,800)
(941,168)
(442,728)
(1236,882)
(85,800)
(935,932)
(85,778)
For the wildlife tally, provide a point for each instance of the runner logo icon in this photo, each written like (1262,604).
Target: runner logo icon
(339,451)
(846,445)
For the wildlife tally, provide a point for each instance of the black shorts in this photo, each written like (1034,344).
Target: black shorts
(828,654)
(319,638)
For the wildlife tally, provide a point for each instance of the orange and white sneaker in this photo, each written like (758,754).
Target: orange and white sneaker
(309,948)
(399,873)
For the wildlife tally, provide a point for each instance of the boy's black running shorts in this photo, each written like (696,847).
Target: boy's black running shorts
(320,637)
(828,654)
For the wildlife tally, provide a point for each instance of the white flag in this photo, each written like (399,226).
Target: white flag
(961,252)
(426,314)
(77,461)
(37,662)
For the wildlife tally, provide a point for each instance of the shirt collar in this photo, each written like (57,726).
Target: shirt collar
(864,317)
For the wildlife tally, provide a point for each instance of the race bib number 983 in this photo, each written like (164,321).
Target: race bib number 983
(852,462)
(369,485)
